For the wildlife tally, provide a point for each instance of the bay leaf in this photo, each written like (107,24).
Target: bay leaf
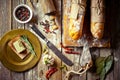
(103,65)
(100,63)
(102,74)
(108,62)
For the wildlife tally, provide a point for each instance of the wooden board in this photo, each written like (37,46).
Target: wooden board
(5,25)
(86,35)
(38,72)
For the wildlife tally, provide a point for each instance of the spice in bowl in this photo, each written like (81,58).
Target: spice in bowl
(22,13)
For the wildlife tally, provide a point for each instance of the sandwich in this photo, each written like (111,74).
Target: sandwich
(21,46)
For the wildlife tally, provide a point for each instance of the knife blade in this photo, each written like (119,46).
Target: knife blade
(52,46)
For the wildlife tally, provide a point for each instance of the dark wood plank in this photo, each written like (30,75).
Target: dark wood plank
(110,76)
(17,76)
(116,42)
(37,72)
(75,67)
(77,61)
(4,73)
(16,25)
(91,74)
(114,23)
(72,57)
(5,26)
(105,53)
(58,74)
(116,69)
(28,74)
(41,70)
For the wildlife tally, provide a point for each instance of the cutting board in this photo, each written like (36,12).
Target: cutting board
(86,35)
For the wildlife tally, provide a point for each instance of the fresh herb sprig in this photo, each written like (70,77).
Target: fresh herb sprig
(64,67)
(30,47)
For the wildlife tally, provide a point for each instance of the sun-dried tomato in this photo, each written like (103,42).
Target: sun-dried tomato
(66,48)
(69,50)
(72,52)
(50,72)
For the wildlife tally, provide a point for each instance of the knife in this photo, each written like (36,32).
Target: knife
(51,46)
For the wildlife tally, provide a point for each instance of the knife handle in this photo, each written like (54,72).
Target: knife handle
(34,28)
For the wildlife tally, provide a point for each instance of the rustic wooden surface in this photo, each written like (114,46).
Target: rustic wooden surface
(8,23)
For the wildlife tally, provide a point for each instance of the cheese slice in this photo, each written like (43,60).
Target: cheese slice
(74,11)
(19,47)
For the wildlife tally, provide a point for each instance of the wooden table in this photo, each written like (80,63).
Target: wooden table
(8,23)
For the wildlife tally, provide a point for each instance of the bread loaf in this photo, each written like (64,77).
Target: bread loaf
(75,28)
(97,18)
(97,29)
(76,18)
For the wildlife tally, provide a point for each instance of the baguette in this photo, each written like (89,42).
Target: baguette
(97,18)
(76,19)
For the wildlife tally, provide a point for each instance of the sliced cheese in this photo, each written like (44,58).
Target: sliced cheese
(74,11)
(19,47)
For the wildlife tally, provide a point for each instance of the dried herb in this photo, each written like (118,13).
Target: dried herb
(103,65)
(45,49)
(63,67)
(46,26)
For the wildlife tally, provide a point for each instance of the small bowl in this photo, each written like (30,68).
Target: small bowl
(23,13)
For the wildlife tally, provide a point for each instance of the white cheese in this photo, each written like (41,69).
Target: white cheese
(19,47)
(74,11)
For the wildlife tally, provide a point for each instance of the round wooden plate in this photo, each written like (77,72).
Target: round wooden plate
(11,60)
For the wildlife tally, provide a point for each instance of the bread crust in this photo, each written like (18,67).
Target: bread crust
(97,29)
(75,31)
(22,54)
(97,18)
